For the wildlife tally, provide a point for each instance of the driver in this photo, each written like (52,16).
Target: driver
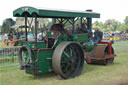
(97,35)
(56,29)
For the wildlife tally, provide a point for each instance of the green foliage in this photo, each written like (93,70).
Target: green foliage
(126,23)
(5,28)
(48,24)
(7,23)
(126,20)
(121,27)
(20,19)
(98,24)
(112,25)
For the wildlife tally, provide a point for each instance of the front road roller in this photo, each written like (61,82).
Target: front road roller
(103,53)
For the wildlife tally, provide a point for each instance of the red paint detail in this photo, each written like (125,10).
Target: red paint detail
(109,46)
(89,59)
(110,56)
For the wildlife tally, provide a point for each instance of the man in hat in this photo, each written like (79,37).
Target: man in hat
(97,35)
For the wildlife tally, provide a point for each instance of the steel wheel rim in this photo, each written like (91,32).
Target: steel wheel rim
(69,61)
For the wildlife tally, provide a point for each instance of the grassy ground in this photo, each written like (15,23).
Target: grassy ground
(115,74)
(2,45)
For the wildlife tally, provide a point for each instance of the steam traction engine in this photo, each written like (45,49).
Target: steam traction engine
(62,48)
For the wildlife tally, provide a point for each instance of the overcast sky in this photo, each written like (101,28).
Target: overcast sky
(113,9)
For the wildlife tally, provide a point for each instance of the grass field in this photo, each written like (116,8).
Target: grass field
(115,74)
(2,45)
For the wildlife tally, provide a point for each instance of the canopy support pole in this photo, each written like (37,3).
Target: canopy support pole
(81,22)
(89,26)
(26,33)
(36,26)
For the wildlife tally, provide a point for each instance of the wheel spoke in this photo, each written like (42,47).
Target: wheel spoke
(74,55)
(66,69)
(70,51)
(66,54)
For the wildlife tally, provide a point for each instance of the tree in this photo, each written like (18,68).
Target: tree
(7,23)
(107,26)
(98,24)
(121,27)
(126,23)
(113,24)
(45,21)
(126,20)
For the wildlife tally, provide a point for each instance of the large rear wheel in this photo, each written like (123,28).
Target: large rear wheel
(68,59)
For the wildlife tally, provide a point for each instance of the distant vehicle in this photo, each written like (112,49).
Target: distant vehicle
(111,36)
(106,36)
(116,36)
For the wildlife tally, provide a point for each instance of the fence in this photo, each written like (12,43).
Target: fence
(9,56)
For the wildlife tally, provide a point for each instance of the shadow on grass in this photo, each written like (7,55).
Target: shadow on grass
(92,67)
(89,67)
(116,63)
(86,69)
(43,76)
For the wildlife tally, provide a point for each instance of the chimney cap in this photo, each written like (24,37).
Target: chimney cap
(89,10)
